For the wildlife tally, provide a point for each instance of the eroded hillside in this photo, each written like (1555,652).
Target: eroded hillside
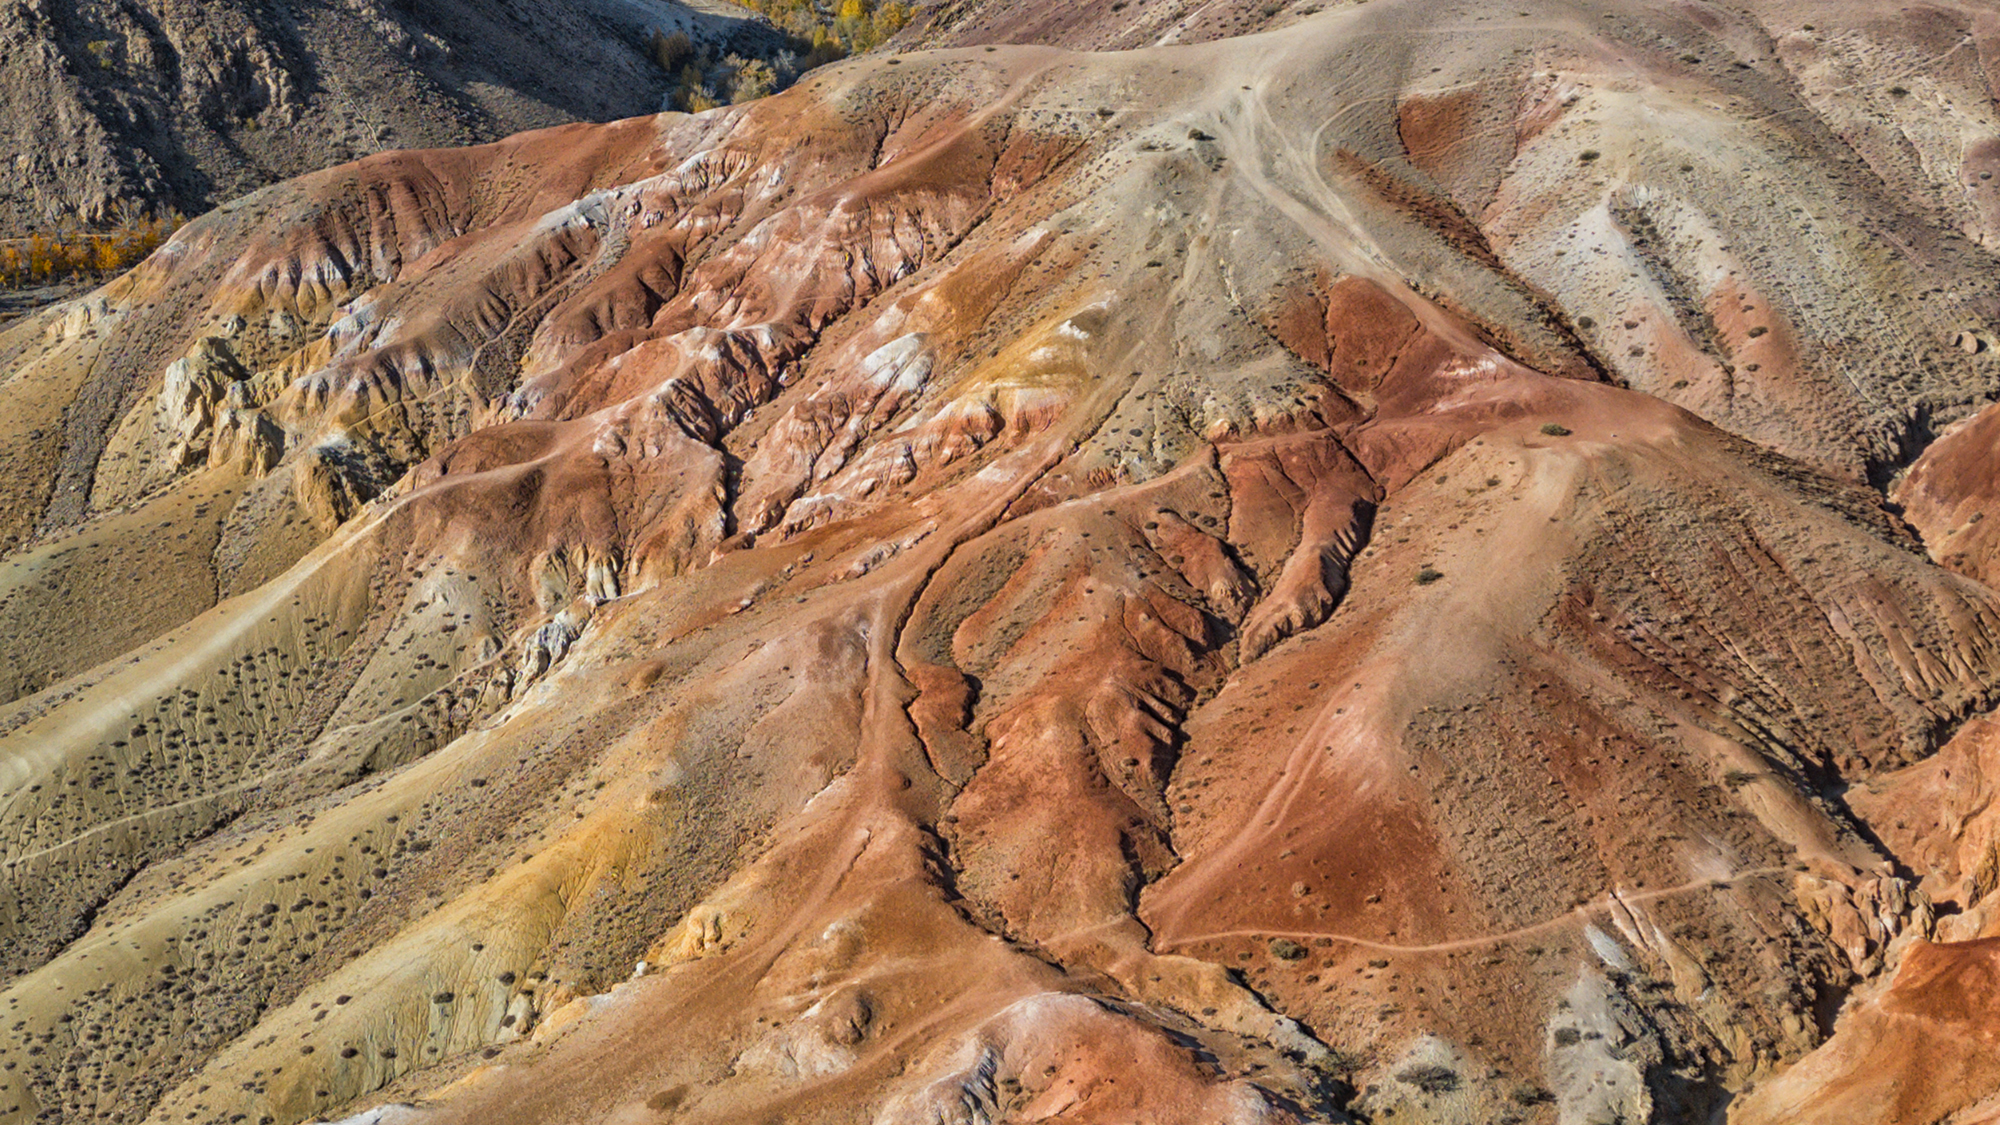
(1421,565)
(179,104)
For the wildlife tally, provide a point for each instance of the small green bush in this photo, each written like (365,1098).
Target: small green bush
(1426,576)
(1555,429)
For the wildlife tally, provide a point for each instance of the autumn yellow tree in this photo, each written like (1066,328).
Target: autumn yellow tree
(74,249)
(41,257)
(891,18)
(106,256)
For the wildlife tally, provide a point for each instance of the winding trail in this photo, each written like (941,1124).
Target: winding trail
(1580,914)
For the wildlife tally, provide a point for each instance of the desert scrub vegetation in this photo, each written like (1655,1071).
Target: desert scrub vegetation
(705,81)
(74,250)
(1284,949)
(1431,1078)
(815,34)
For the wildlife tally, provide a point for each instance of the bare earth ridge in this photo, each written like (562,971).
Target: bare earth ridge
(1423,564)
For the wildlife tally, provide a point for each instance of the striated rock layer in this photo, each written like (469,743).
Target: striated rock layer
(1356,572)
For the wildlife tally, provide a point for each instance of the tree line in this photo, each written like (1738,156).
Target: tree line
(74,250)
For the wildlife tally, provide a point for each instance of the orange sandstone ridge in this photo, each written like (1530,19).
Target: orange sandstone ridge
(1423,565)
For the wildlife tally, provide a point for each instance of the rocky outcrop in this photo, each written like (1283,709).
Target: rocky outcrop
(211,409)
(192,390)
(1916,1052)
(1866,917)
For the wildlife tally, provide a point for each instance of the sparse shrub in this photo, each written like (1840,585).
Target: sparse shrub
(670,51)
(1737,779)
(1555,429)
(1431,1078)
(1588,155)
(1530,1094)
(1285,949)
(704,81)
(692,92)
(749,79)
(1341,1062)
(1426,576)
(1568,1037)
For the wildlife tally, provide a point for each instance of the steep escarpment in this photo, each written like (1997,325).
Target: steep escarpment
(1351,573)
(172,104)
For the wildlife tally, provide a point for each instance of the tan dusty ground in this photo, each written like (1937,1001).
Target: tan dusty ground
(1420,566)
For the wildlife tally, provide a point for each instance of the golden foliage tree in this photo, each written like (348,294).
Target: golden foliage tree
(891,18)
(73,250)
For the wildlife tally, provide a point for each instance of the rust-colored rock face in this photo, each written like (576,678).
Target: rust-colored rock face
(1420,565)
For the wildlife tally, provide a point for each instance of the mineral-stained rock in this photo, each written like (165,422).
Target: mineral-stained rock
(192,390)
(1420,565)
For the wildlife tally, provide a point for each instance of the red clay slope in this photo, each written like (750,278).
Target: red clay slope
(1330,575)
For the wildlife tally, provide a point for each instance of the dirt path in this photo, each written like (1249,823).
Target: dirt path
(1580,914)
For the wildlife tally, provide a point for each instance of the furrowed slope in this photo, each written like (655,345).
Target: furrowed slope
(1334,574)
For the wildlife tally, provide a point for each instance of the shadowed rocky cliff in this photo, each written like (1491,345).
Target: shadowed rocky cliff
(176,104)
